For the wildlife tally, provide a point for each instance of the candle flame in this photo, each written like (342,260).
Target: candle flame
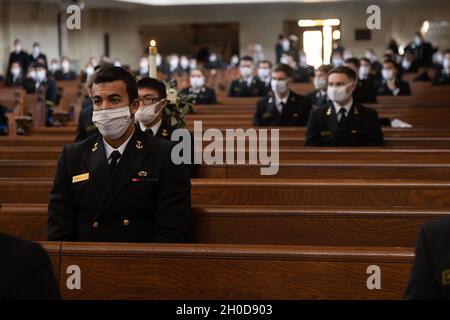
(153,43)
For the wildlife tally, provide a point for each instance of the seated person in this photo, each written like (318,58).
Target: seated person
(3,121)
(201,93)
(337,59)
(54,66)
(367,83)
(392,84)
(37,79)
(15,77)
(121,184)
(247,85)
(345,122)
(66,72)
(365,92)
(25,272)
(408,65)
(85,126)
(318,97)
(283,107)
(264,71)
(429,278)
(149,116)
(302,74)
(442,76)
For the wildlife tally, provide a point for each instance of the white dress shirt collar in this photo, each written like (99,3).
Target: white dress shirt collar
(347,107)
(279,102)
(109,149)
(154,128)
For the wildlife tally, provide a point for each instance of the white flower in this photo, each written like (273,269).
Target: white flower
(172,95)
(173,121)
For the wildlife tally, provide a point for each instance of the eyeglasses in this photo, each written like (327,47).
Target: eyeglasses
(150,100)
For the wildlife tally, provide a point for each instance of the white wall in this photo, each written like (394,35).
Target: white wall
(258,23)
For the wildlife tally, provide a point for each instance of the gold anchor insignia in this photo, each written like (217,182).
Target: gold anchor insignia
(95,147)
(329,111)
(164,133)
(139,144)
(142,173)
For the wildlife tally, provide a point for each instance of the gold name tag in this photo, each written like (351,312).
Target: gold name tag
(81,177)
(325,133)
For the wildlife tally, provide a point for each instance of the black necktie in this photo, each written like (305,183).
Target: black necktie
(149,132)
(115,156)
(342,115)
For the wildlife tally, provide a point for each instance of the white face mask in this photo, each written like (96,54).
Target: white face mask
(65,66)
(286,45)
(112,123)
(320,83)
(446,64)
(213,58)
(193,64)
(117,64)
(388,74)
(370,56)
(89,71)
(147,114)
(348,55)
(32,74)
(279,87)
(246,71)
(284,60)
(15,72)
(158,60)
(338,94)
(406,64)
(40,75)
(36,51)
(418,41)
(337,62)
(173,63)
(263,73)
(184,63)
(438,58)
(363,72)
(18,48)
(197,82)
(234,60)
(54,67)
(143,66)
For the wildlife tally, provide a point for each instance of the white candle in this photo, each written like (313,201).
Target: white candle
(153,51)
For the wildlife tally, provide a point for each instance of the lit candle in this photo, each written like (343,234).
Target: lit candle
(153,51)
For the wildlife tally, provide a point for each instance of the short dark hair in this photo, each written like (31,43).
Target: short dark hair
(325,68)
(247,58)
(266,61)
(391,62)
(354,61)
(365,60)
(112,73)
(286,69)
(202,71)
(344,70)
(447,52)
(151,83)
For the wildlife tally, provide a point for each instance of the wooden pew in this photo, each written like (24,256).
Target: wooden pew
(287,170)
(186,272)
(389,227)
(429,195)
